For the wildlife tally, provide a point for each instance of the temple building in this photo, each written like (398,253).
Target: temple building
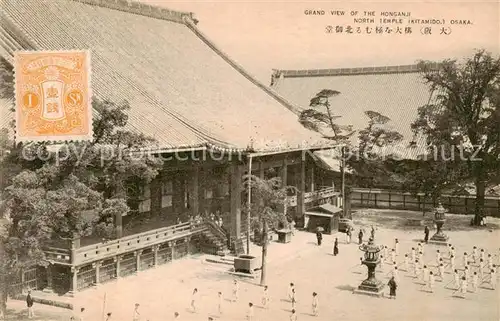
(213,123)
(394,91)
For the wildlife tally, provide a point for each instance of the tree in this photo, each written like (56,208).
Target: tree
(429,177)
(463,117)
(266,210)
(321,118)
(7,93)
(46,188)
(6,79)
(370,161)
(377,135)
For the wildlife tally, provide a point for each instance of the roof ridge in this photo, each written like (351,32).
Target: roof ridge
(349,71)
(142,9)
(287,104)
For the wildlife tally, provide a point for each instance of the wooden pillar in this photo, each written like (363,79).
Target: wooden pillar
(74,281)
(261,176)
(137,260)
(313,184)
(194,194)
(118,260)
(183,189)
(75,244)
(178,194)
(284,178)
(97,271)
(155,250)
(236,175)
(301,189)
(119,193)
(155,194)
(188,241)
(171,245)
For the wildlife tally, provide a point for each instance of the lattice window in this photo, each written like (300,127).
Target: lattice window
(86,277)
(147,259)
(107,271)
(128,265)
(164,254)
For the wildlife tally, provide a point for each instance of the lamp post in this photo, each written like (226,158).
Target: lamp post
(439,219)
(371,286)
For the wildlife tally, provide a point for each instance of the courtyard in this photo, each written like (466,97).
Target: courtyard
(167,289)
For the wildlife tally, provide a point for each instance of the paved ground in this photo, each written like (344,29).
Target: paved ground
(167,289)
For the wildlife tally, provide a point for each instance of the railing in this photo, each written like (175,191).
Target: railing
(319,195)
(311,197)
(458,204)
(216,229)
(134,242)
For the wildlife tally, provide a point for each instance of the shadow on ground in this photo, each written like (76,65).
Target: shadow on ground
(345,287)
(406,220)
(13,315)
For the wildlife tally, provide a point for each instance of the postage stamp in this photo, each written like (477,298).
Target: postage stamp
(53,97)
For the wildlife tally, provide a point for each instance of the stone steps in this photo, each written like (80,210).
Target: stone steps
(220,246)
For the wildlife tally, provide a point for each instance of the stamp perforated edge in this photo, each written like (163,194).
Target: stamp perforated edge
(62,138)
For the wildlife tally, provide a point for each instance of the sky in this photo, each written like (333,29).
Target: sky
(264,35)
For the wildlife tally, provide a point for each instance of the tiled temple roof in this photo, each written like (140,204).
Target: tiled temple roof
(183,90)
(394,91)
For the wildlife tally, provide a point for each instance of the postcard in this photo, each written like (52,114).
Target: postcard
(249,160)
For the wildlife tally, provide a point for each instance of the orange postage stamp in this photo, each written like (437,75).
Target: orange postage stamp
(53,98)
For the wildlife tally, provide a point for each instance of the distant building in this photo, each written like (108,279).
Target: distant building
(394,91)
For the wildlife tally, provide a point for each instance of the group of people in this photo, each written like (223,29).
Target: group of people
(214,217)
(249,315)
(349,230)
(477,268)
(265,301)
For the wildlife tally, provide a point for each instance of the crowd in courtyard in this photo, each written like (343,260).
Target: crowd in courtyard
(464,275)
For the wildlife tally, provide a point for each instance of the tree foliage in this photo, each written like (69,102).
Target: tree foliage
(53,193)
(6,79)
(52,188)
(321,117)
(377,135)
(463,116)
(370,160)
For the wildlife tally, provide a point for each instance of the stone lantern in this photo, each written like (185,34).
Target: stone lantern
(371,286)
(439,219)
